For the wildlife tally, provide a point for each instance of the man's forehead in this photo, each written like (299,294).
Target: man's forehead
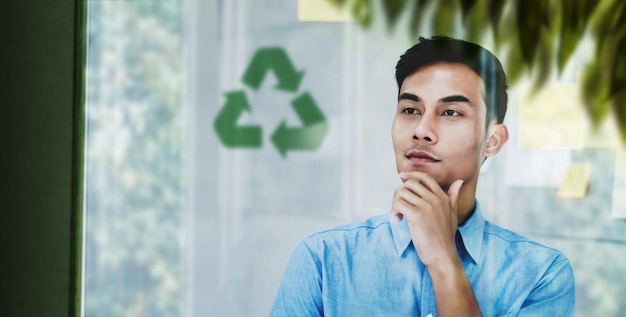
(437,68)
(448,66)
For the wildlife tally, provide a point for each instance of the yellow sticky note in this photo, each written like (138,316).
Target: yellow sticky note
(576,181)
(554,117)
(322,11)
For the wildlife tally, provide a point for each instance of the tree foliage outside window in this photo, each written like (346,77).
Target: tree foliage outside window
(134,214)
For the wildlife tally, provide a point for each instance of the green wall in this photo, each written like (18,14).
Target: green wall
(41,141)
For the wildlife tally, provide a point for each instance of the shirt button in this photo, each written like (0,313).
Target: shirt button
(429,315)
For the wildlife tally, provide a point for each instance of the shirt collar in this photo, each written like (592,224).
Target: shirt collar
(401,234)
(471,232)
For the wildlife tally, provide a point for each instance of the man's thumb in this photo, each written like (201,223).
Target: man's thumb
(453,191)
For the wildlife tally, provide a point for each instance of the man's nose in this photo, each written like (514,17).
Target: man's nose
(425,130)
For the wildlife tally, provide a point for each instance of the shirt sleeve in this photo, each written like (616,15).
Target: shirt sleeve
(300,291)
(554,294)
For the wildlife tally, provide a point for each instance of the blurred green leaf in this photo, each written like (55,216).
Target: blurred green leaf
(339,3)
(476,21)
(392,9)
(466,7)
(363,12)
(617,84)
(595,92)
(575,15)
(546,50)
(514,60)
(603,78)
(609,19)
(495,12)
(417,16)
(530,16)
(444,14)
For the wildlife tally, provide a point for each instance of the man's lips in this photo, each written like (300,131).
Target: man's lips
(418,156)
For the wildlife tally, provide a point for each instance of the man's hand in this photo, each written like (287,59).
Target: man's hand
(431,215)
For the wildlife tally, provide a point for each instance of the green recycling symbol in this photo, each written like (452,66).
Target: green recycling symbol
(307,137)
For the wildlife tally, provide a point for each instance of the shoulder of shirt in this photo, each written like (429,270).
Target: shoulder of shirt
(373,223)
(514,238)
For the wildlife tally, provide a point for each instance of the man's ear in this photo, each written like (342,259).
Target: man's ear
(497,135)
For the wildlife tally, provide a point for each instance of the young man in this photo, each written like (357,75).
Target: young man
(433,254)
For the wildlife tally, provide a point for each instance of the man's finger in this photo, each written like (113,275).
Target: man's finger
(453,191)
(398,208)
(423,178)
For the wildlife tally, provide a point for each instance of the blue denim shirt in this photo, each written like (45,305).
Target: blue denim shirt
(372,269)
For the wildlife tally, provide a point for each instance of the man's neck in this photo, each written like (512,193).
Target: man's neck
(466,204)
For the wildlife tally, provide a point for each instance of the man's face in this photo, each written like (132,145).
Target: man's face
(439,127)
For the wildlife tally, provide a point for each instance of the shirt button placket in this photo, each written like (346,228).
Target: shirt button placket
(428,296)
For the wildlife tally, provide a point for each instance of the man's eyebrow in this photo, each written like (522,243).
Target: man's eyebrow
(408,96)
(455,98)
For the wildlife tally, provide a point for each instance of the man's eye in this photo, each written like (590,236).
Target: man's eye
(451,113)
(410,111)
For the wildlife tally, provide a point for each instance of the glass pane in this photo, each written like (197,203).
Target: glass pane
(134,176)
(183,221)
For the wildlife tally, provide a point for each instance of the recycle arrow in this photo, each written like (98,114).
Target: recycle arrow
(277,60)
(310,135)
(226,127)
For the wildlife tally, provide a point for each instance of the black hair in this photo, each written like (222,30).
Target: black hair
(442,49)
